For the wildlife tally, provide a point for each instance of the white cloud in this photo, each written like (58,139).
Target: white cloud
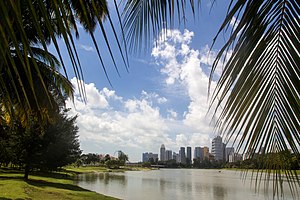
(86,47)
(134,128)
(137,124)
(182,65)
(172,114)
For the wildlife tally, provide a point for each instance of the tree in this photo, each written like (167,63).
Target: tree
(32,23)
(258,91)
(259,84)
(122,157)
(45,148)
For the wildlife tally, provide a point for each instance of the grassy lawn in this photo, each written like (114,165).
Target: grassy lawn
(45,186)
(90,169)
(87,169)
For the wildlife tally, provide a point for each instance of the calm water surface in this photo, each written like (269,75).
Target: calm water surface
(172,184)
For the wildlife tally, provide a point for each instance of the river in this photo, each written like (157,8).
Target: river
(173,184)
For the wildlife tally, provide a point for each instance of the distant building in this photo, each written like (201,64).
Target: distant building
(189,154)
(198,153)
(229,151)
(147,156)
(168,155)
(205,152)
(249,154)
(182,155)
(235,157)
(162,153)
(217,148)
(175,156)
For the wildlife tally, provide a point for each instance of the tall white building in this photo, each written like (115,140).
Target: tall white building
(217,148)
(162,153)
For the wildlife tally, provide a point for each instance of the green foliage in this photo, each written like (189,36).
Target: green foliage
(122,157)
(30,23)
(45,148)
(286,160)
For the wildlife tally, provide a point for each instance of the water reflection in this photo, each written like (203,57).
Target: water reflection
(219,192)
(162,184)
(171,184)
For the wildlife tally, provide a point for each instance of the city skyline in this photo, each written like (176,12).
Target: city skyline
(219,152)
(163,98)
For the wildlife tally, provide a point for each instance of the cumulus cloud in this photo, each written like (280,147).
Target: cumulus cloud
(138,124)
(182,65)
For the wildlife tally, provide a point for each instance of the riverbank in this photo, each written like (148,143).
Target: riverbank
(255,170)
(46,186)
(98,169)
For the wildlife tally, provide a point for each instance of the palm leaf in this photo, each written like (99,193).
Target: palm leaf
(260,82)
(144,20)
(30,23)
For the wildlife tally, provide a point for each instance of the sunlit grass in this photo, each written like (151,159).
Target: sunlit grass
(90,169)
(43,186)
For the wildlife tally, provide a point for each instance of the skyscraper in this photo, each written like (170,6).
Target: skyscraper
(217,148)
(182,155)
(147,156)
(162,153)
(198,153)
(205,153)
(168,155)
(228,151)
(189,154)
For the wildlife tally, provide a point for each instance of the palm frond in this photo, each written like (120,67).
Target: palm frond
(27,24)
(260,84)
(144,19)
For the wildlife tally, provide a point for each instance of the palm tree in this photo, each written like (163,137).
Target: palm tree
(43,96)
(28,26)
(259,88)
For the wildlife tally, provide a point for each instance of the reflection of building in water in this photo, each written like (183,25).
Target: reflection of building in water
(219,192)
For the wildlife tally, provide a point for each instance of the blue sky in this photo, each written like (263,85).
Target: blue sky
(163,98)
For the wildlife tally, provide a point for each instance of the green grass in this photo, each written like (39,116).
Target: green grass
(87,169)
(90,169)
(45,186)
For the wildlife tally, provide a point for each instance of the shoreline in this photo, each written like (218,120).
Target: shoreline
(44,185)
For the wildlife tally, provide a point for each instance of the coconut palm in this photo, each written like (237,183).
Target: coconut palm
(259,86)
(28,26)
(259,89)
